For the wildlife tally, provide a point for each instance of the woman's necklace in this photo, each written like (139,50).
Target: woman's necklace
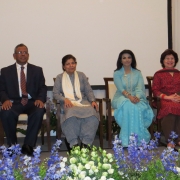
(128,85)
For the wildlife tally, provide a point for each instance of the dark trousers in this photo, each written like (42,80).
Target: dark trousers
(171,123)
(9,120)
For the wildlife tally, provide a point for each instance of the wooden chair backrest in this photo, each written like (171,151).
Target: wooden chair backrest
(149,80)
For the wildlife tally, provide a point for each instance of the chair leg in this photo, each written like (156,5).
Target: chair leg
(100,124)
(42,133)
(107,135)
(101,134)
(1,134)
(48,138)
(109,132)
(151,130)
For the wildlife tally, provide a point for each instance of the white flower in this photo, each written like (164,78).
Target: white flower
(87,166)
(120,173)
(87,178)
(82,174)
(69,178)
(103,178)
(91,163)
(104,152)
(106,166)
(62,164)
(178,170)
(105,160)
(27,159)
(84,150)
(93,168)
(73,167)
(64,159)
(76,151)
(109,155)
(91,172)
(83,155)
(111,160)
(62,170)
(94,154)
(73,160)
(84,160)
(105,174)
(80,166)
(110,171)
(96,170)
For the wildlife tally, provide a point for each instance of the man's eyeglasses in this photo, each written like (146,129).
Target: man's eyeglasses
(22,52)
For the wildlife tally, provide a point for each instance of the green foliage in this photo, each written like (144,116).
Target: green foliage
(155,170)
(115,128)
(18,175)
(42,170)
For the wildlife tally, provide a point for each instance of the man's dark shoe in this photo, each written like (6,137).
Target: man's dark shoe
(28,150)
(85,146)
(67,145)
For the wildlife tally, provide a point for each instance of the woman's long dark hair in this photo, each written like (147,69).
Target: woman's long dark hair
(119,61)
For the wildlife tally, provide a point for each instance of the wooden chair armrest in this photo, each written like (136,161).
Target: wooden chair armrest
(107,99)
(101,121)
(48,128)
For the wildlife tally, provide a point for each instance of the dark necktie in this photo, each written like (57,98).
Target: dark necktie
(24,99)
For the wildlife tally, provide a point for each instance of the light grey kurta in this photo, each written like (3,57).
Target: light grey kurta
(87,98)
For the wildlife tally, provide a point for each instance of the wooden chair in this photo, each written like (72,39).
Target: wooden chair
(155,103)
(58,116)
(110,91)
(22,119)
(58,125)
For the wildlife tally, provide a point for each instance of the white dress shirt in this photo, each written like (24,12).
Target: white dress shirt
(18,67)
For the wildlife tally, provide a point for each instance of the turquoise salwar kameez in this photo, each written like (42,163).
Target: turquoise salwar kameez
(132,118)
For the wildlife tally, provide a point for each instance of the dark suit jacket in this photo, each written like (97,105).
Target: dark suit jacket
(35,85)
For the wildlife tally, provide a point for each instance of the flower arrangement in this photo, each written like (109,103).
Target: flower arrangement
(144,162)
(138,162)
(92,164)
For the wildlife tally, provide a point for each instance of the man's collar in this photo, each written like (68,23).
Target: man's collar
(19,66)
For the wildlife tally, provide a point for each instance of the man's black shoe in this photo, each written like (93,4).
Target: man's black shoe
(28,150)
(85,146)
(67,145)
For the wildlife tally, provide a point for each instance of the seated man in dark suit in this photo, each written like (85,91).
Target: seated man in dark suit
(22,90)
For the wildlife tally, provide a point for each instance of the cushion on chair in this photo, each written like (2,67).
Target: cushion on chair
(112,90)
(23,117)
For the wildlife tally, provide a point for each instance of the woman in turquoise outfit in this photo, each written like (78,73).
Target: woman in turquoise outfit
(132,111)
